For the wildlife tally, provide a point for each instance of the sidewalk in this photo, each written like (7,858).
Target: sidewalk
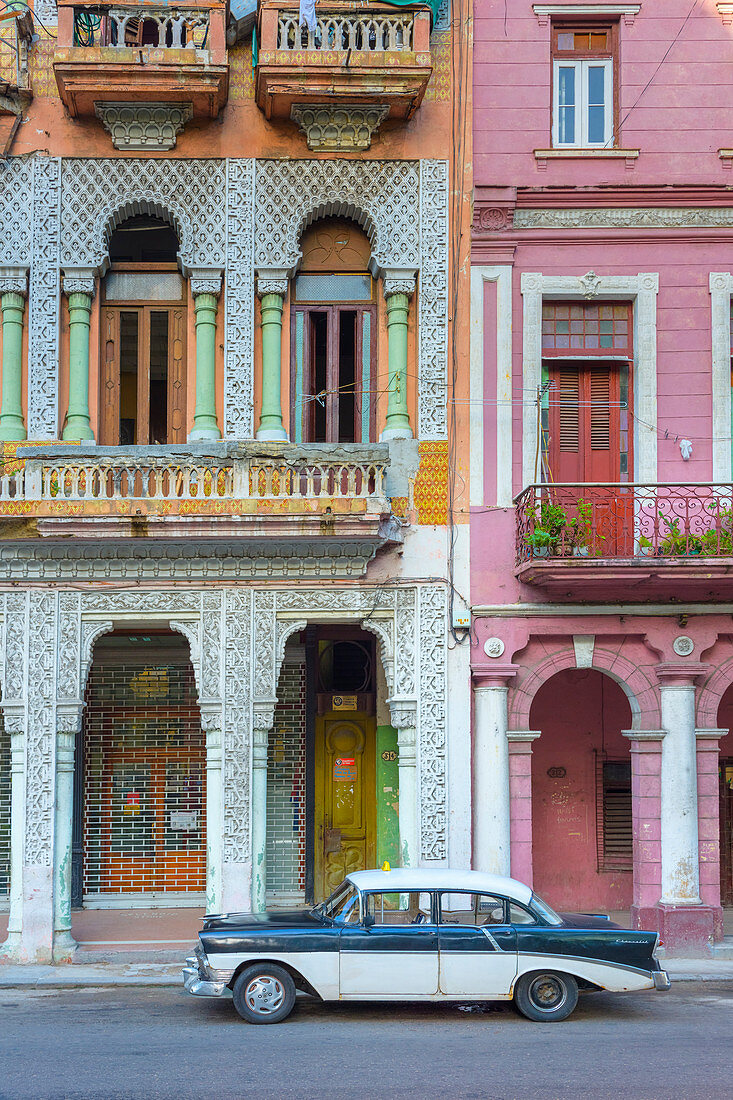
(155,974)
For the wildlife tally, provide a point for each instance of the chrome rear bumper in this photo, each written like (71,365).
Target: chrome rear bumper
(198,986)
(661,979)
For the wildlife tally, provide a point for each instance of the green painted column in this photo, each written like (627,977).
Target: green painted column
(205,288)
(272,295)
(79,290)
(13,288)
(397,293)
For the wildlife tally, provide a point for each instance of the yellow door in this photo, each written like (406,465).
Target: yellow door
(345,797)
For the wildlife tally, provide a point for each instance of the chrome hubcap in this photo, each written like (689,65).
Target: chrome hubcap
(547,992)
(264,995)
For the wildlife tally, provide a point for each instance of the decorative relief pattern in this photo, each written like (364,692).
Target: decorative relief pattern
(43,324)
(16,185)
(239,305)
(68,673)
(192,632)
(264,628)
(237,727)
(98,194)
(661,217)
(89,634)
(16,632)
(142,126)
(433,616)
(404,685)
(211,646)
(336,127)
(433,301)
(41,728)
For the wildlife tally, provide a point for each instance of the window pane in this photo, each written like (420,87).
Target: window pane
(333,288)
(143,286)
(566,105)
(471,909)
(399,909)
(347,376)
(128,377)
(596,104)
(565,40)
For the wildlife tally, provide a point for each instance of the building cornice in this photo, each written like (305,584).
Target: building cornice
(629,11)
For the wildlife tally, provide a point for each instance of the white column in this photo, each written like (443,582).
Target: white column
(491,818)
(63,942)
(13,724)
(679,832)
(404,719)
(212,725)
(262,726)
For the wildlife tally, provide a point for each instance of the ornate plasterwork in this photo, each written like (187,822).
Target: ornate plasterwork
(642,290)
(239,304)
(627,217)
(14,280)
(271,286)
(205,280)
(237,726)
(143,126)
(98,194)
(46,11)
(43,308)
(40,693)
(16,192)
(79,280)
(590,285)
(432,412)
(338,127)
(433,617)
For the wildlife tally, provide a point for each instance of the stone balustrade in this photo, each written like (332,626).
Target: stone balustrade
(356,31)
(137,25)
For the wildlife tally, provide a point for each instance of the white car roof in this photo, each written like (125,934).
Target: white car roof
(440,878)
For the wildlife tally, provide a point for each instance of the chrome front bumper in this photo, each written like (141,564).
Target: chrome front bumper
(661,979)
(198,986)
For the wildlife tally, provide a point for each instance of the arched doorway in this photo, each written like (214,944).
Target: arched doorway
(143,337)
(581,793)
(141,774)
(725,721)
(333,361)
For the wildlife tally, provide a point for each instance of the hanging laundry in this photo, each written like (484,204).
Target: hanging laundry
(307,14)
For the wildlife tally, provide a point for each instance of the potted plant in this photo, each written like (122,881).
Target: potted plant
(547,529)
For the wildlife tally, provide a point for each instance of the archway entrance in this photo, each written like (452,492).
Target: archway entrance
(725,721)
(333,772)
(581,793)
(141,771)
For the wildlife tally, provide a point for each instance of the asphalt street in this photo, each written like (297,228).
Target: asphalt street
(163,1043)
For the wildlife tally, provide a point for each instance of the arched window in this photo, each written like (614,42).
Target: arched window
(333,336)
(143,337)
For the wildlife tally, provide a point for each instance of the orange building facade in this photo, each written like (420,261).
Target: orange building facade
(233,493)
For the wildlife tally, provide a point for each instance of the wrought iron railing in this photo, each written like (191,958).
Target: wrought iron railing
(141,26)
(105,479)
(357,31)
(624,521)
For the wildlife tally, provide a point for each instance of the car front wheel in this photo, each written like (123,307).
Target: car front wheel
(264,994)
(546,997)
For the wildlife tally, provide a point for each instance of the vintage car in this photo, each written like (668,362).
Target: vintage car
(419,934)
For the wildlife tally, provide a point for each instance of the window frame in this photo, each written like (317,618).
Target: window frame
(581,61)
(499,898)
(606,866)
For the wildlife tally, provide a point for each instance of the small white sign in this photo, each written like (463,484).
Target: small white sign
(184,821)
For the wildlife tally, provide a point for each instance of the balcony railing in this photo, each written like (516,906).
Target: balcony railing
(107,480)
(138,26)
(624,521)
(358,32)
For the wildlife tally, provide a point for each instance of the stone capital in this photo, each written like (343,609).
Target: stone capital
(494,676)
(680,673)
(272,280)
(522,736)
(398,280)
(14,280)
(645,736)
(708,739)
(403,713)
(205,280)
(80,280)
(263,714)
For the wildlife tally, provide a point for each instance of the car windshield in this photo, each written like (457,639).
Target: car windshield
(543,910)
(342,906)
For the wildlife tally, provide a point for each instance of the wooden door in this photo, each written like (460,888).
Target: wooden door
(726,832)
(345,799)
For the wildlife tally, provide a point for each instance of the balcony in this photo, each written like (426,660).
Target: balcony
(250,492)
(373,62)
(627,542)
(159,63)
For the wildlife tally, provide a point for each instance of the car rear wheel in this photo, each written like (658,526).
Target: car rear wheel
(546,997)
(264,994)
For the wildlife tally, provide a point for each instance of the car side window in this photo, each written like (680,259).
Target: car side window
(475,910)
(519,915)
(398,909)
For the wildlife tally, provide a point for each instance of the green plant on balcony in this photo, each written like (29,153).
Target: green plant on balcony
(549,523)
(716,541)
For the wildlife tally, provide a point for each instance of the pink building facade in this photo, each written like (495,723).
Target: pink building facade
(601,480)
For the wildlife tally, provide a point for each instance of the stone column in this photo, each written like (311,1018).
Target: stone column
(264,715)
(404,719)
(685,924)
(205,288)
(13,292)
(398,288)
(14,725)
(491,819)
(63,942)
(272,288)
(646,809)
(211,721)
(708,821)
(79,287)
(520,802)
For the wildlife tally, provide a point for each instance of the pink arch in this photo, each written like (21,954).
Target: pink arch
(711,693)
(633,681)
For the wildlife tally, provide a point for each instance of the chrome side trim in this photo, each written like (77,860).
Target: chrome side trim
(591,960)
(491,939)
(661,980)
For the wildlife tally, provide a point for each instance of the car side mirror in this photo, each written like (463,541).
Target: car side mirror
(368,920)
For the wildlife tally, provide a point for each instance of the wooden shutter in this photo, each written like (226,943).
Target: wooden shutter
(600,410)
(614,817)
(568,396)
(177,376)
(109,412)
